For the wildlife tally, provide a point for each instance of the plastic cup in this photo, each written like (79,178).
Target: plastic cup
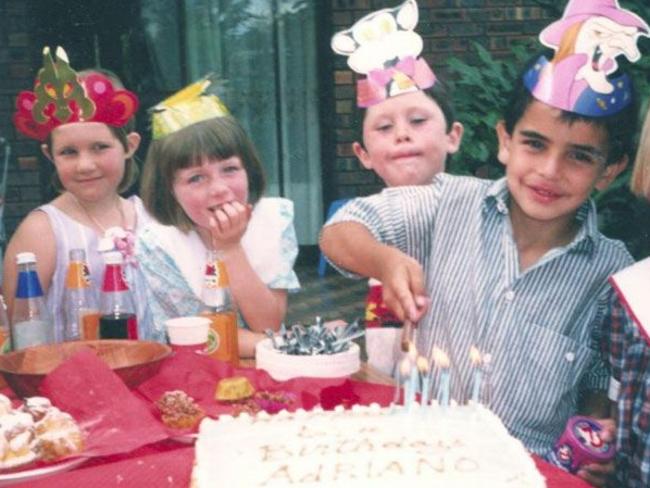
(188,333)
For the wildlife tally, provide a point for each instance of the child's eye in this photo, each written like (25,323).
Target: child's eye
(232,168)
(582,157)
(195,179)
(384,127)
(100,146)
(534,144)
(67,151)
(418,120)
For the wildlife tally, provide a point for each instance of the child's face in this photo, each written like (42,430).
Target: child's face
(406,139)
(202,189)
(89,159)
(553,166)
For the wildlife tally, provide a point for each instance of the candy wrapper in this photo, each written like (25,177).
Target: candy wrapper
(113,419)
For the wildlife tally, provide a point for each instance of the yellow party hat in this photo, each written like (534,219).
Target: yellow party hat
(186,107)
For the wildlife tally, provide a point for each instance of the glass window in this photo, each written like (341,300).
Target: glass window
(264,53)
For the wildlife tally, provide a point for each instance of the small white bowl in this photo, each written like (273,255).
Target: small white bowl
(283,366)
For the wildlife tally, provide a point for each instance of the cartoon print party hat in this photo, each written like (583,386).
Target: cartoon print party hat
(62,96)
(384,47)
(587,40)
(188,106)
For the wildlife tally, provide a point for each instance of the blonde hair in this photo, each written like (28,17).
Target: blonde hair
(567,43)
(640,182)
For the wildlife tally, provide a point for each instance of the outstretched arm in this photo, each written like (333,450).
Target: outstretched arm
(351,246)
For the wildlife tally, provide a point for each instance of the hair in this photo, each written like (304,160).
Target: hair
(620,128)
(131,170)
(217,138)
(640,182)
(438,93)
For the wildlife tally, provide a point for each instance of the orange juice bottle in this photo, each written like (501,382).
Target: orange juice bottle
(80,301)
(219,306)
(5,334)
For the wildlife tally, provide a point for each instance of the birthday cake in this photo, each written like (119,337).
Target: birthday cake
(459,446)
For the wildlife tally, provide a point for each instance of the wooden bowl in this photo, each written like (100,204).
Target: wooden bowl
(133,361)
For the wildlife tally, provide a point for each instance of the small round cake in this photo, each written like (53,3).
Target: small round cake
(282,366)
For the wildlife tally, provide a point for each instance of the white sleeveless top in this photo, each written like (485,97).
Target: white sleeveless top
(71,234)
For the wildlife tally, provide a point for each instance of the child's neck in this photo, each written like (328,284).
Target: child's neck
(535,238)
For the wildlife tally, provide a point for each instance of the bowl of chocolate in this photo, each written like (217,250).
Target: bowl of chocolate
(132,361)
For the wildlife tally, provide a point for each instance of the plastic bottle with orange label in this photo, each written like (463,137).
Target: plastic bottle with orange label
(5,329)
(81,312)
(219,307)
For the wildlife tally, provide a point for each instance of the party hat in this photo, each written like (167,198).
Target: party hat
(587,40)
(61,96)
(188,106)
(384,47)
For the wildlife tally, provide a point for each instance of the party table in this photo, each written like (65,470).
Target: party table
(168,463)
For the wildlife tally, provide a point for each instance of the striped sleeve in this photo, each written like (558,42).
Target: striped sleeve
(400,217)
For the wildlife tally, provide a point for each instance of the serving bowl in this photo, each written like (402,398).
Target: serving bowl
(132,361)
(282,366)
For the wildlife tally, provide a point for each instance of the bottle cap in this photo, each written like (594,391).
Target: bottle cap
(25,257)
(113,257)
(77,255)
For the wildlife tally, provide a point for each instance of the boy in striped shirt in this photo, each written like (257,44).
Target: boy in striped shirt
(516,268)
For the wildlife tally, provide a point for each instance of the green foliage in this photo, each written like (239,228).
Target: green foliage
(479,88)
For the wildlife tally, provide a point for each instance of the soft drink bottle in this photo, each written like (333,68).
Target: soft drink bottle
(117,308)
(31,322)
(219,307)
(81,312)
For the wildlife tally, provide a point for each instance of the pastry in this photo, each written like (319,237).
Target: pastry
(179,410)
(234,389)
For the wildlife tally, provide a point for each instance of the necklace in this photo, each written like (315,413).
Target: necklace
(97,223)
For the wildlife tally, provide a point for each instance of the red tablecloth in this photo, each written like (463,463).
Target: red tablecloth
(168,463)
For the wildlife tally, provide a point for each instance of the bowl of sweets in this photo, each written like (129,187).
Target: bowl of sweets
(310,350)
(132,361)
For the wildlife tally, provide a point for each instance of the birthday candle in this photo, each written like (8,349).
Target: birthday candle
(423,367)
(402,373)
(475,357)
(442,360)
(413,377)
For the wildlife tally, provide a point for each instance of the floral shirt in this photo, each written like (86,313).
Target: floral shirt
(173,263)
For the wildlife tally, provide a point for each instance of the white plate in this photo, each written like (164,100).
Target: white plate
(32,474)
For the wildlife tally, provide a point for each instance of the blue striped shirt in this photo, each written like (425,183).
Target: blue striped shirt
(540,326)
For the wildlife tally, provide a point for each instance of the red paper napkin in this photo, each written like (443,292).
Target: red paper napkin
(114,420)
(198,376)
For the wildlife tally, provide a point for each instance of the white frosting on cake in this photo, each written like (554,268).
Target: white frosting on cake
(460,446)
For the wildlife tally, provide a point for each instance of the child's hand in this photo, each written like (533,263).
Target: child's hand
(402,279)
(600,474)
(229,223)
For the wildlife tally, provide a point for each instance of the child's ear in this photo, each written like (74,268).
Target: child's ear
(361,153)
(133,142)
(611,172)
(505,140)
(46,152)
(454,137)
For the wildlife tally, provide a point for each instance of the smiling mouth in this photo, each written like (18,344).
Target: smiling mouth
(546,194)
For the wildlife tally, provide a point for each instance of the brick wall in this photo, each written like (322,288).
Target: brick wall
(17,71)
(448,27)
